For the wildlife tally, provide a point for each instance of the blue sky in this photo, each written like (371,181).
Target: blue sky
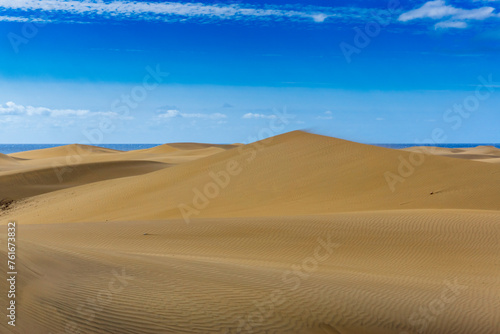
(219,71)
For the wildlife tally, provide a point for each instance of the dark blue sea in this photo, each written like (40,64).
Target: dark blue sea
(13,148)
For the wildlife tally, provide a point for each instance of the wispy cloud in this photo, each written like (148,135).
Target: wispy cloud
(164,11)
(4,18)
(12,109)
(326,115)
(454,17)
(261,116)
(451,24)
(176,113)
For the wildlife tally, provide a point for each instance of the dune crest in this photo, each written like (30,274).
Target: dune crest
(61,151)
(294,173)
(165,148)
(197,146)
(5,159)
(25,183)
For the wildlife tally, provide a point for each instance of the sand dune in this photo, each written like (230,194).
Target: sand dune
(6,160)
(8,163)
(73,149)
(81,154)
(489,154)
(197,146)
(27,183)
(165,148)
(299,233)
(49,170)
(295,173)
(207,151)
(490,150)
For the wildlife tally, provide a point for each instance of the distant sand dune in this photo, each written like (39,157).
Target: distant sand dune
(28,183)
(74,149)
(63,167)
(5,159)
(197,146)
(165,148)
(8,163)
(81,154)
(489,154)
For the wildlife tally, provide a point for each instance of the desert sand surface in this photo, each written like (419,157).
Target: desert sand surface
(298,233)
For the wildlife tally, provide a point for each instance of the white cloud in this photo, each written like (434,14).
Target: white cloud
(12,108)
(455,17)
(451,24)
(9,119)
(433,9)
(327,115)
(111,114)
(169,11)
(207,116)
(4,18)
(262,116)
(475,14)
(319,17)
(177,113)
(169,114)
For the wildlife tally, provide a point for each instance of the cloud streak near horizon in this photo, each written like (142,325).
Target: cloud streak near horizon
(172,113)
(13,109)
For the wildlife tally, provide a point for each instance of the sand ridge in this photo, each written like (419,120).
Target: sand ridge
(295,173)
(47,170)
(25,183)
(73,149)
(196,146)
(5,159)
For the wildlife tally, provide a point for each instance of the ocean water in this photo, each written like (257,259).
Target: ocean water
(13,148)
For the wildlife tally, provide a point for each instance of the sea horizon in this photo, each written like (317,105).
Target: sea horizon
(16,148)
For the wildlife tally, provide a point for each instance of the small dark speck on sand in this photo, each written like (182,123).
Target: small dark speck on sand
(5,203)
